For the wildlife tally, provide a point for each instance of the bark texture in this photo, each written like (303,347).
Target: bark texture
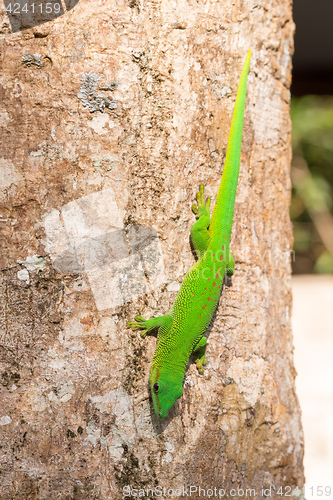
(95,215)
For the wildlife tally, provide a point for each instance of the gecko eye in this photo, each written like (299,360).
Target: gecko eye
(156,387)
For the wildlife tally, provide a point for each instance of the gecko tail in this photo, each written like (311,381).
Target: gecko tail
(222,217)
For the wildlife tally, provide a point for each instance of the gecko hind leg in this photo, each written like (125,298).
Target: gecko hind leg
(199,352)
(147,325)
(199,231)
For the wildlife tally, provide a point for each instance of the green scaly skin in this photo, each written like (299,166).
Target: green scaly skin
(181,331)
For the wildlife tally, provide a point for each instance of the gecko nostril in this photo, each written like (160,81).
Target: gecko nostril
(156,387)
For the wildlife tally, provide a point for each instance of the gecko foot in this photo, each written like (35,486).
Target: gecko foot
(201,362)
(139,324)
(202,207)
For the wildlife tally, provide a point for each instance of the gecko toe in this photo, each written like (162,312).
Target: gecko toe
(195,209)
(139,318)
(200,364)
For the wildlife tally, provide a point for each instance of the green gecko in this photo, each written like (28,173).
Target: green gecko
(181,331)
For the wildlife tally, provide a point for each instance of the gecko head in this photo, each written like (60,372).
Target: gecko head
(165,388)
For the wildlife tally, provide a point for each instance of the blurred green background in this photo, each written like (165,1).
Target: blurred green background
(312,178)
(312,119)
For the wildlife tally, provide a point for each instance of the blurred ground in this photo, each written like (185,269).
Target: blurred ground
(313,340)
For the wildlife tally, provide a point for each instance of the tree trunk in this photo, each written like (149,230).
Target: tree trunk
(97,182)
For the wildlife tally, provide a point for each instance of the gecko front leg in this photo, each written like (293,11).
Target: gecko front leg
(147,325)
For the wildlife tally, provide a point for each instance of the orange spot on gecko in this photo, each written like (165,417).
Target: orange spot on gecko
(221,257)
(205,288)
(204,307)
(217,275)
(209,298)
(214,284)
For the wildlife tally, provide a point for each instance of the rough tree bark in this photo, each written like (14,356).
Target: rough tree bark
(95,211)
